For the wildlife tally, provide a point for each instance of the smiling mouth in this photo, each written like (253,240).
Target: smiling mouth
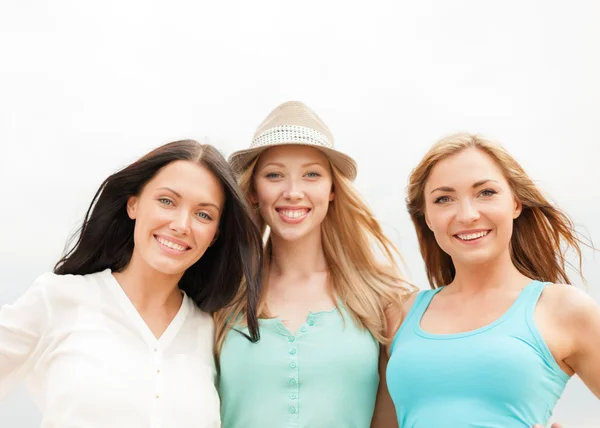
(171,245)
(293,214)
(468,237)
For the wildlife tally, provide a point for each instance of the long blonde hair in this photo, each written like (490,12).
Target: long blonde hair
(541,234)
(350,236)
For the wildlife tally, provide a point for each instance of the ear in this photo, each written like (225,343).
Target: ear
(214,238)
(427,220)
(331,196)
(253,198)
(518,208)
(132,204)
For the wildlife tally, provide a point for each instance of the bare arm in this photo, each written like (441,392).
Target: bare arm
(385,412)
(583,324)
(569,321)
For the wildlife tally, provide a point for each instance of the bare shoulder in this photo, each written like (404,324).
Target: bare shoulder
(567,298)
(395,314)
(408,302)
(570,323)
(569,305)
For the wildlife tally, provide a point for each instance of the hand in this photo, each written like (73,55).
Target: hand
(554,425)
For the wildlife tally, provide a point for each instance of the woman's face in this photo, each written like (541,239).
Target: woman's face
(176,217)
(293,189)
(470,207)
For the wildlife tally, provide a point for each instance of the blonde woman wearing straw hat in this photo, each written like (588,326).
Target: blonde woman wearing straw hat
(325,293)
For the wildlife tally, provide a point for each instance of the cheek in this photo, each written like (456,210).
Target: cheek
(205,233)
(266,197)
(321,192)
(148,219)
(439,220)
(504,222)
(267,194)
(501,215)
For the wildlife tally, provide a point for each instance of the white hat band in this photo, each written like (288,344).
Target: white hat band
(285,134)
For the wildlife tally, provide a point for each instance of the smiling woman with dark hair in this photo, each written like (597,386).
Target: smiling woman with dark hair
(122,331)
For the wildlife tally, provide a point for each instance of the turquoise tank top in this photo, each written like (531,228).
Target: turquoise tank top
(326,375)
(498,376)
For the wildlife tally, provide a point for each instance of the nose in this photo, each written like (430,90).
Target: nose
(181,222)
(467,213)
(293,191)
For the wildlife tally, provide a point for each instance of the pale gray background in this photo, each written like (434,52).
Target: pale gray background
(86,87)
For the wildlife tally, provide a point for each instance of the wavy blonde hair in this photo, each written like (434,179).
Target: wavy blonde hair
(350,235)
(542,233)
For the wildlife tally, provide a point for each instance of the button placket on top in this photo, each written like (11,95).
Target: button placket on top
(293,367)
(156,346)
(157,384)
(293,378)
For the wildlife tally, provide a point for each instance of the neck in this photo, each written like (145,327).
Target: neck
(495,274)
(148,288)
(299,258)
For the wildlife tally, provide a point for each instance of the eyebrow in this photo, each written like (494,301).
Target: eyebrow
(273,164)
(283,166)
(451,189)
(200,204)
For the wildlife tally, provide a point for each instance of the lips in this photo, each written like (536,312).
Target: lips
(468,236)
(293,213)
(171,244)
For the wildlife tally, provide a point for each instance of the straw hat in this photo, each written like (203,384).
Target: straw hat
(293,123)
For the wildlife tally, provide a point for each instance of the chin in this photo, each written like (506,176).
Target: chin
(168,268)
(291,235)
(475,259)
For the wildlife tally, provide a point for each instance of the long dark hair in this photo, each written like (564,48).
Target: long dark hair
(105,239)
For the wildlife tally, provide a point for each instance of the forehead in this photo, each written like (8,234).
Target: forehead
(292,154)
(464,168)
(191,180)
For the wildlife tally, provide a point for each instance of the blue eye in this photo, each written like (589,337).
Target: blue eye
(273,175)
(488,192)
(204,216)
(313,174)
(442,200)
(165,201)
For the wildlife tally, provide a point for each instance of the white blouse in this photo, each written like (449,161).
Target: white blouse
(89,359)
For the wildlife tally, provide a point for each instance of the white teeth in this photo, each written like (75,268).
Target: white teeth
(471,236)
(293,213)
(171,244)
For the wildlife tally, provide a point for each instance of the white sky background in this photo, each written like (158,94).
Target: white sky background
(87,87)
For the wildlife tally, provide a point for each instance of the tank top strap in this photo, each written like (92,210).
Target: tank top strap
(532,294)
(520,314)
(527,300)
(416,312)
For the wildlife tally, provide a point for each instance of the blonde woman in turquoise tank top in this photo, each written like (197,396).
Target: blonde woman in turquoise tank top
(321,315)
(495,341)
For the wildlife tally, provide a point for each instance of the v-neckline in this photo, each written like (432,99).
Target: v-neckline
(136,318)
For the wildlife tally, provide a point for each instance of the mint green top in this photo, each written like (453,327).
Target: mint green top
(498,376)
(326,375)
